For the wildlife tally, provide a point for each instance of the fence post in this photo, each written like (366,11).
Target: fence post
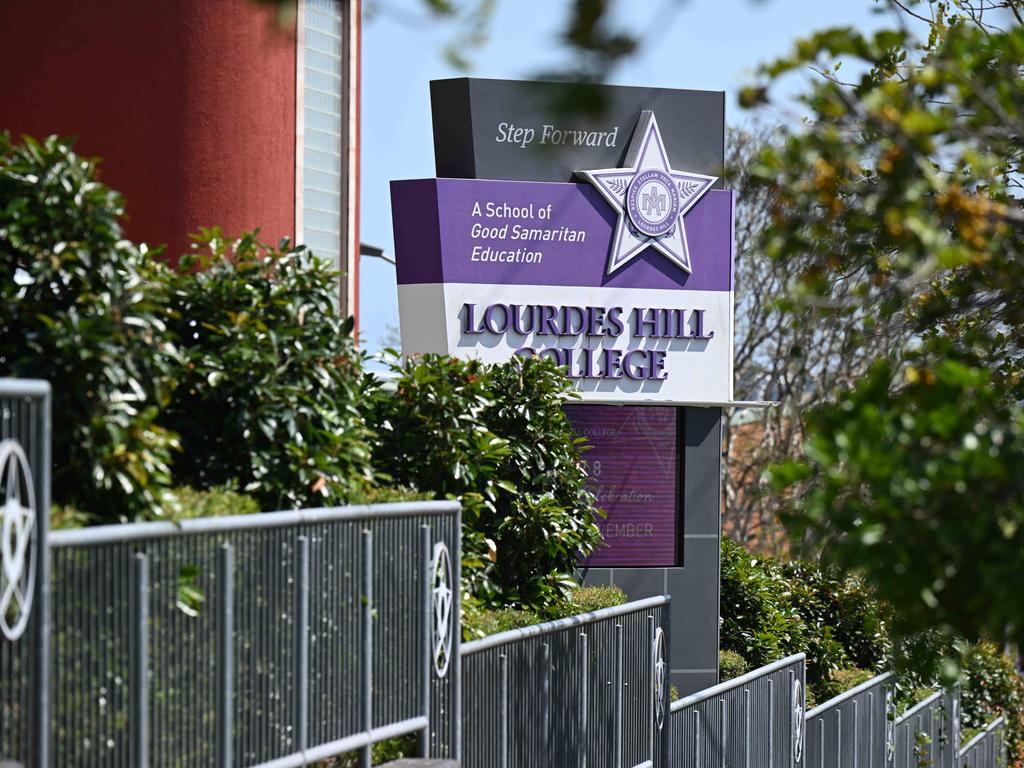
(140,663)
(225,655)
(666,740)
(366,652)
(696,739)
(746,727)
(302,644)
(584,696)
(723,717)
(652,706)
(42,599)
(503,710)
(788,701)
(856,734)
(871,730)
(839,737)
(545,702)
(617,735)
(771,723)
(456,665)
(426,627)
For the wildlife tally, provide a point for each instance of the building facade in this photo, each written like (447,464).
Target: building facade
(235,113)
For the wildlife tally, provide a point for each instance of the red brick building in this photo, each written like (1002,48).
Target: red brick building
(237,113)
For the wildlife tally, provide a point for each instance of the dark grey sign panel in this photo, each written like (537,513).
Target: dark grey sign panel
(510,129)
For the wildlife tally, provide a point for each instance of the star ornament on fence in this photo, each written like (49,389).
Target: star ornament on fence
(17,540)
(650,199)
(441,603)
(660,676)
(799,722)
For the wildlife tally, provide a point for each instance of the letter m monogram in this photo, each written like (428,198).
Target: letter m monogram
(654,203)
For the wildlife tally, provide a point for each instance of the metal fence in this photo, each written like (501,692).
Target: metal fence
(755,721)
(853,729)
(287,638)
(262,640)
(587,691)
(986,749)
(861,727)
(273,640)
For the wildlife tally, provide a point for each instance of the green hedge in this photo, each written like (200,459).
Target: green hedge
(771,609)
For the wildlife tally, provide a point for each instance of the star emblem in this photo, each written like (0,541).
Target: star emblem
(17,540)
(650,199)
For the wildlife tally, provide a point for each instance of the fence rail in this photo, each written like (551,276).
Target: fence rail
(986,749)
(755,721)
(582,691)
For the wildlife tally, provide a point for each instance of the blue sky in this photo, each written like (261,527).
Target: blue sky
(701,44)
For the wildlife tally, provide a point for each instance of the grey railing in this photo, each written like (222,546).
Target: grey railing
(275,640)
(587,691)
(755,721)
(851,729)
(24,643)
(986,749)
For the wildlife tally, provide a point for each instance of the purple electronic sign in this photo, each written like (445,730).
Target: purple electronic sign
(632,461)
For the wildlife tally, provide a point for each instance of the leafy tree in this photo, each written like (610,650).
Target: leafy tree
(797,359)
(909,174)
(75,309)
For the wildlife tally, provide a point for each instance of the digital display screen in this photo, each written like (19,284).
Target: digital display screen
(633,464)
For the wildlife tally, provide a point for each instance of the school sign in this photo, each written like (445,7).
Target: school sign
(602,241)
(624,277)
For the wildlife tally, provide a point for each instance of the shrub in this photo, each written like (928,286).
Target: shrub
(759,621)
(770,610)
(266,394)
(479,621)
(847,606)
(76,309)
(992,687)
(731,665)
(496,437)
(184,502)
(842,680)
(63,516)
(844,622)
(181,503)
(587,599)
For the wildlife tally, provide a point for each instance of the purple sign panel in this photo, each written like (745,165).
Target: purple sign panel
(481,231)
(632,461)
